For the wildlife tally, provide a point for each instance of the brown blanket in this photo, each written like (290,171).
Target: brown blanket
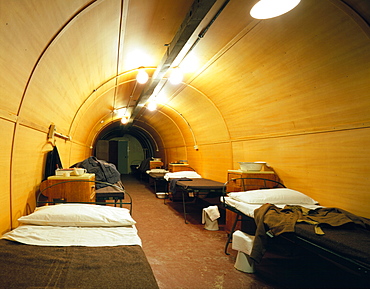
(273,221)
(26,266)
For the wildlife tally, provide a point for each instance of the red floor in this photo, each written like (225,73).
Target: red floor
(187,256)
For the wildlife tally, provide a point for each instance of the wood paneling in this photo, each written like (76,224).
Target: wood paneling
(7,129)
(214,162)
(208,124)
(292,91)
(27,27)
(330,167)
(29,155)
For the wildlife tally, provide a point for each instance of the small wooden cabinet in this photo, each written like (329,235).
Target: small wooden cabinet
(155,165)
(173,168)
(236,185)
(70,189)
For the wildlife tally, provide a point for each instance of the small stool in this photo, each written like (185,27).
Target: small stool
(243,243)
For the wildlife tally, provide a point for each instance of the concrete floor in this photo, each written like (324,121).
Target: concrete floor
(187,256)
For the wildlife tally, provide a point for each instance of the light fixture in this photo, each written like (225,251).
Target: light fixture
(142,76)
(124,119)
(176,76)
(152,106)
(265,9)
(120,112)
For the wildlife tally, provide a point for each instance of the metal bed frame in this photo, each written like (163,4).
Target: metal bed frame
(245,185)
(361,270)
(196,193)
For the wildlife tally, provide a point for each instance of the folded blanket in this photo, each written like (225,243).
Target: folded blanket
(173,183)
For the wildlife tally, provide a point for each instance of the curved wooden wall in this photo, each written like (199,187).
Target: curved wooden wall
(292,91)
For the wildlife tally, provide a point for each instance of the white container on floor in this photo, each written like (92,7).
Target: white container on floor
(208,218)
(243,243)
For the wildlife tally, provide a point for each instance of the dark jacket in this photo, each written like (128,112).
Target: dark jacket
(104,172)
(53,162)
(272,221)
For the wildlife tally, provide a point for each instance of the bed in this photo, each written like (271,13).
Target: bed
(189,186)
(342,238)
(156,176)
(75,245)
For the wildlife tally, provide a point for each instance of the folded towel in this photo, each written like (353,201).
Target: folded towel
(212,212)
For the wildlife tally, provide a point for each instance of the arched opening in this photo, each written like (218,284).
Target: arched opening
(126,148)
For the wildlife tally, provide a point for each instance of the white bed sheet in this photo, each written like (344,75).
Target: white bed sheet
(248,209)
(182,174)
(74,236)
(157,171)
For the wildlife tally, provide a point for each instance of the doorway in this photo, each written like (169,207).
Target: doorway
(123,152)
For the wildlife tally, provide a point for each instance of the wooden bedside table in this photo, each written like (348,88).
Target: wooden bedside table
(74,191)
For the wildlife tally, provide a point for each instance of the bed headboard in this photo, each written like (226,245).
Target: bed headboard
(248,184)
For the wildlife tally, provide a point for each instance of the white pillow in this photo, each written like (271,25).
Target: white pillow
(79,215)
(273,196)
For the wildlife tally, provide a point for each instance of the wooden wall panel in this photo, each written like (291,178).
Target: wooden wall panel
(292,91)
(95,112)
(171,133)
(27,27)
(285,76)
(207,124)
(215,161)
(7,129)
(174,154)
(78,152)
(330,167)
(148,25)
(29,155)
(78,53)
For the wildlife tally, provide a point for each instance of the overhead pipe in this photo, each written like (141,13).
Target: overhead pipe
(196,14)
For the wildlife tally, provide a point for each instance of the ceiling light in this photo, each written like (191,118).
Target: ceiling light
(265,9)
(124,120)
(142,76)
(152,106)
(176,76)
(190,63)
(120,112)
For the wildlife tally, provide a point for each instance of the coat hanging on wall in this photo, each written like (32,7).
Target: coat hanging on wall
(53,162)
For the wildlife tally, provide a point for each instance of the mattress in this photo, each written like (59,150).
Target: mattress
(182,174)
(200,184)
(74,236)
(347,245)
(75,246)
(28,266)
(248,209)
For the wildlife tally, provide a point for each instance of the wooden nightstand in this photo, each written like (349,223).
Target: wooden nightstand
(75,191)
(155,165)
(173,168)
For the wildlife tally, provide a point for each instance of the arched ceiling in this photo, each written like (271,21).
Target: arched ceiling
(81,57)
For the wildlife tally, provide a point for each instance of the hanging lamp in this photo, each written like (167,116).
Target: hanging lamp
(152,106)
(176,76)
(142,76)
(265,9)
